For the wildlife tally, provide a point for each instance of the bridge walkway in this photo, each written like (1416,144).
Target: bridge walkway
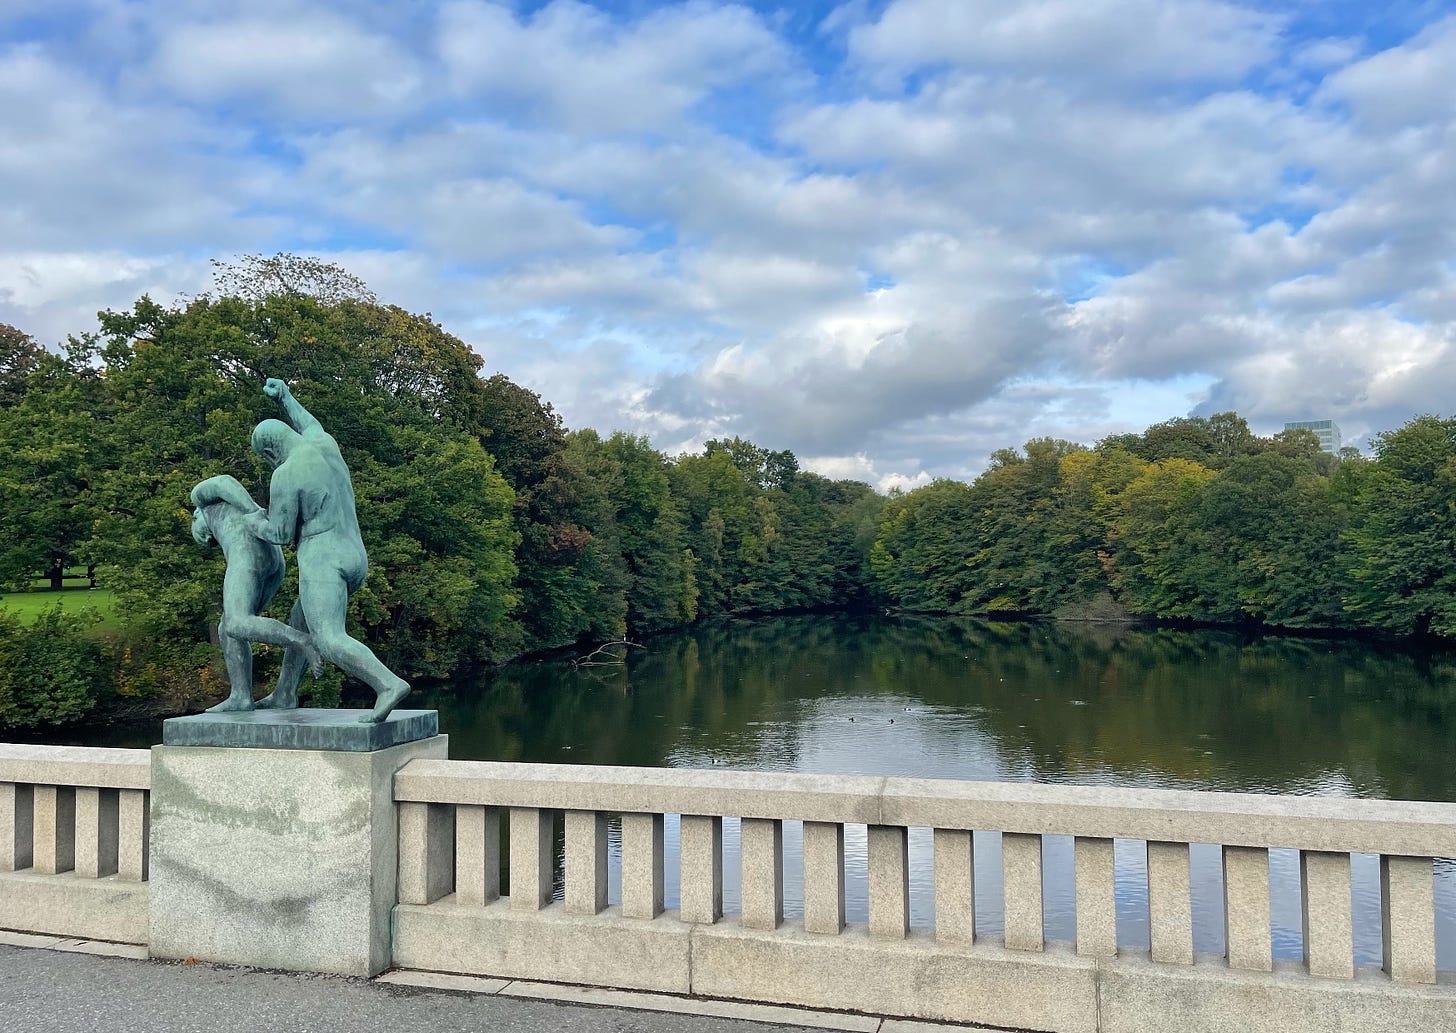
(54,985)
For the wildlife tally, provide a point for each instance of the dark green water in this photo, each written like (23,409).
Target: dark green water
(1094,704)
(1088,704)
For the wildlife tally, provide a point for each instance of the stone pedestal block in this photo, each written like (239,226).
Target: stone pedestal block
(276,858)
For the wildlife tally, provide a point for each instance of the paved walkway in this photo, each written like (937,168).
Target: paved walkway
(61,990)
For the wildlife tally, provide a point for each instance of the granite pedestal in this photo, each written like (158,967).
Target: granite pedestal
(271,852)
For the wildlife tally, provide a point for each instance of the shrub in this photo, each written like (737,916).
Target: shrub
(51,670)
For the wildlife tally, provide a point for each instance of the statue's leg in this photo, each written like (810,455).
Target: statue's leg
(325,599)
(237,656)
(276,633)
(285,694)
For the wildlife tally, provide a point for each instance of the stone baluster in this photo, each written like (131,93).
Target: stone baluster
(700,858)
(477,854)
(533,862)
(888,861)
(1328,948)
(955,886)
(586,862)
(1170,907)
(133,834)
(1096,900)
(1408,918)
(642,865)
(1021,883)
(1246,908)
(17,808)
(762,850)
(426,852)
(96,832)
(824,877)
(55,829)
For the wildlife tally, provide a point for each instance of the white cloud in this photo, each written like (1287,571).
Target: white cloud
(1093,41)
(1403,87)
(923,234)
(51,295)
(310,64)
(860,467)
(578,69)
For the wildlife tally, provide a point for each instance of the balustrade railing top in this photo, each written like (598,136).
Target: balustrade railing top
(97,767)
(1182,816)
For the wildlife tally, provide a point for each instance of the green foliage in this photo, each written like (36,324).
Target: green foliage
(20,354)
(402,399)
(920,558)
(1402,530)
(492,530)
(766,537)
(659,587)
(1196,518)
(49,451)
(51,670)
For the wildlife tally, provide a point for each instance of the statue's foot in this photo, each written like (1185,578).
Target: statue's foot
(233,704)
(315,661)
(273,701)
(386,701)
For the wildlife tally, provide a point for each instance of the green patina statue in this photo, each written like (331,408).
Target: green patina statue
(311,507)
(254,572)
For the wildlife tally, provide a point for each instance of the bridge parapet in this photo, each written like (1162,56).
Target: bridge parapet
(74,831)
(452,915)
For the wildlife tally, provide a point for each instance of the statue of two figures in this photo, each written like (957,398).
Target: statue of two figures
(310,507)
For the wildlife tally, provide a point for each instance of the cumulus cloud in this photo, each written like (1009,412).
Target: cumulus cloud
(308,65)
(895,242)
(577,68)
(1094,42)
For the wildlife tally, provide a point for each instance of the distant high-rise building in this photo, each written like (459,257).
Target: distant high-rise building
(1329,433)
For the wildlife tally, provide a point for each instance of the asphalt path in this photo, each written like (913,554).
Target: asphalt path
(48,991)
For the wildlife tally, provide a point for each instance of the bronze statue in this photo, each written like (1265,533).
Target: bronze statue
(254,572)
(311,507)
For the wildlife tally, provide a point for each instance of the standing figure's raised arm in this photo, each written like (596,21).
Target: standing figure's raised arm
(300,418)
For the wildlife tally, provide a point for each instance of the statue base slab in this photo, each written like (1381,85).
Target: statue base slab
(302,729)
(283,859)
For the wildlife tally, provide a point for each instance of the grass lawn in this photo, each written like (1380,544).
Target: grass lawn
(29,605)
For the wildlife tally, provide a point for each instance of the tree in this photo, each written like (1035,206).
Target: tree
(49,451)
(20,354)
(921,558)
(184,385)
(1278,530)
(570,582)
(1402,530)
(661,588)
(722,527)
(1153,559)
(256,278)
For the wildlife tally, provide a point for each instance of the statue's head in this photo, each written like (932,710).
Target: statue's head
(274,440)
(201,529)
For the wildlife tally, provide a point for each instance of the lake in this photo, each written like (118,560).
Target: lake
(1092,704)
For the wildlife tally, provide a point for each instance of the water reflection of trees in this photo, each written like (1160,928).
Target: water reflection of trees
(1083,702)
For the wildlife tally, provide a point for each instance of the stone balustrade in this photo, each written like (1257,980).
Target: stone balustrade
(503,870)
(452,916)
(73,841)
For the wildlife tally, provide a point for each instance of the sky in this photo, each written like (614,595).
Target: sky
(892,236)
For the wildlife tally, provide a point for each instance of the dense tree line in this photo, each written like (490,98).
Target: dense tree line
(1195,518)
(495,531)
(492,530)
